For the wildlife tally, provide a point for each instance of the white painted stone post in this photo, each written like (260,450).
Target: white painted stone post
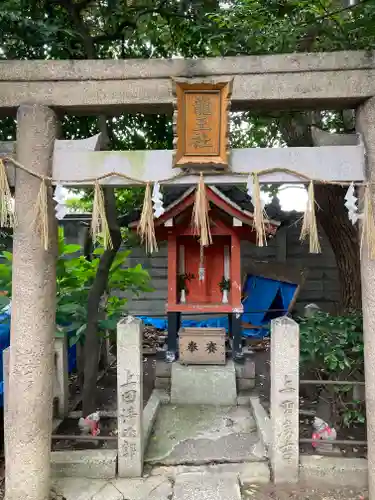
(130,397)
(29,401)
(366,126)
(61,389)
(285,400)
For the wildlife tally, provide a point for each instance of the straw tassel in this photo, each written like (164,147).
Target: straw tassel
(258,221)
(41,214)
(146,227)
(368,225)
(99,223)
(6,209)
(309,224)
(201,219)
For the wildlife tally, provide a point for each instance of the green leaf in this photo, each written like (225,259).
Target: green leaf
(69,249)
(78,335)
(4,301)
(108,324)
(7,255)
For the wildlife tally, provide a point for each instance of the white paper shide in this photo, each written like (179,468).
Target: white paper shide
(157,200)
(60,197)
(351,204)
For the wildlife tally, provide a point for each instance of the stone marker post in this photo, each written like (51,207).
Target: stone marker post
(366,126)
(61,387)
(285,400)
(29,402)
(130,397)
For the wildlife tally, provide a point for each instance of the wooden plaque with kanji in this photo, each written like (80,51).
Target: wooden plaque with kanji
(201,124)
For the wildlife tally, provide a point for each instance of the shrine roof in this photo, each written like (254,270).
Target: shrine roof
(232,199)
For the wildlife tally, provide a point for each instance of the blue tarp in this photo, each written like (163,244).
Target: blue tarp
(5,342)
(260,294)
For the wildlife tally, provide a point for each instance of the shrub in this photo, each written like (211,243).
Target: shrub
(331,348)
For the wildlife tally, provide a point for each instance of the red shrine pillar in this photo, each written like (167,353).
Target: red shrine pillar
(174,318)
(235,317)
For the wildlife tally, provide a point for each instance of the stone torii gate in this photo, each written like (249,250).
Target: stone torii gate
(39,90)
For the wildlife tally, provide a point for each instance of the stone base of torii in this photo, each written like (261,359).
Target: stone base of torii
(319,81)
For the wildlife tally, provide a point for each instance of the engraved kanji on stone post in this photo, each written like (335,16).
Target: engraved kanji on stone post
(285,400)
(130,397)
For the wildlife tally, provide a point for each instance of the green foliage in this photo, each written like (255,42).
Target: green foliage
(183,280)
(74,278)
(332,345)
(225,284)
(331,348)
(6,274)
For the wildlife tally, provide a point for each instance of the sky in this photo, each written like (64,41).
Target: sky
(293,198)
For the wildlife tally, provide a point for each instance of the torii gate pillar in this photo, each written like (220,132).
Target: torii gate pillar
(28,423)
(366,126)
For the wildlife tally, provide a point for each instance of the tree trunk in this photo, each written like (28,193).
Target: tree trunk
(92,340)
(331,214)
(343,237)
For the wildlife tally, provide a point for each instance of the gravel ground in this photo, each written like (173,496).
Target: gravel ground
(300,493)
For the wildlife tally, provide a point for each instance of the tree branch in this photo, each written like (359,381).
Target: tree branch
(111,37)
(117,35)
(82,5)
(98,288)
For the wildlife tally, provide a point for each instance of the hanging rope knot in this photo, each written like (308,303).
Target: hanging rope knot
(259,213)
(7,218)
(368,225)
(201,219)
(146,226)
(309,224)
(41,213)
(99,222)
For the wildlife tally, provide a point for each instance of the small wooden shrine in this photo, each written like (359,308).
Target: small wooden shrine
(205,279)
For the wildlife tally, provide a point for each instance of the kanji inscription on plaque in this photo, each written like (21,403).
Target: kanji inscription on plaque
(201,124)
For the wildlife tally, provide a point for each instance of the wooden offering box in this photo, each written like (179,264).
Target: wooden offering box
(202,346)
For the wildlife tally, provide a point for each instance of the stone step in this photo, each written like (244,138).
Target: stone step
(206,487)
(248,473)
(196,435)
(93,464)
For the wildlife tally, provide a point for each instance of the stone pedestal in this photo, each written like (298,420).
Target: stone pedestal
(28,423)
(163,371)
(245,375)
(284,400)
(204,385)
(130,397)
(366,126)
